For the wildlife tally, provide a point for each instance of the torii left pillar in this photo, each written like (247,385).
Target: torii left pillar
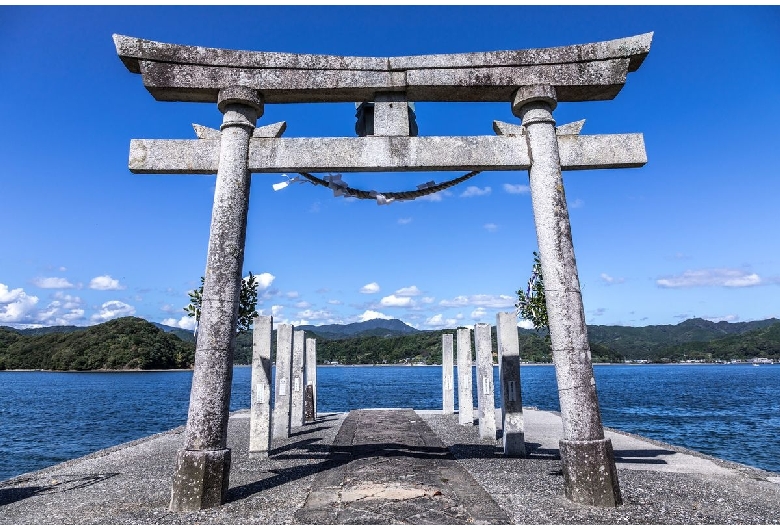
(203,465)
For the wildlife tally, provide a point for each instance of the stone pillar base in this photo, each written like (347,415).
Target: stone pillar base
(200,480)
(589,472)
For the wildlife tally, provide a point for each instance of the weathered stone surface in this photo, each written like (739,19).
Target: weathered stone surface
(188,73)
(447,376)
(260,406)
(387,467)
(207,418)
(377,154)
(576,388)
(273,130)
(503,128)
(391,114)
(590,475)
(513,426)
(201,480)
(297,394)
(282,383)
(486,409)
(465,396)
(310,371)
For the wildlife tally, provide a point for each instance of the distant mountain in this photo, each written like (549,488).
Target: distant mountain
(184,334)
(377,327)
(645,342)
(36,332)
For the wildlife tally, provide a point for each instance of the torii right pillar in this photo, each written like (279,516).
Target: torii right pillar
(589,472)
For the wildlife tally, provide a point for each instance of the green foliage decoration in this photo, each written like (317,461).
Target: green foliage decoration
(531,303)
(246,306)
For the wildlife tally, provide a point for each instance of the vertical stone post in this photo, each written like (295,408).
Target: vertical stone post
(486,406)
(590,476)
(260,407)
(465,397)
(203,465)
(311,371)
(282,385)
(298,393)
(447,377)
(509,373)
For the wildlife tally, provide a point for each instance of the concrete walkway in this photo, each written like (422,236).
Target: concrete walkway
(393,466)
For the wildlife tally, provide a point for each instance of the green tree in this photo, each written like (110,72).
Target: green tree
(531,303)
(246,305)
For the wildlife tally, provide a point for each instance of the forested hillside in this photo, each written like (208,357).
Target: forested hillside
(122,344)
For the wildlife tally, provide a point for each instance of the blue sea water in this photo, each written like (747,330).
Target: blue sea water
(728,411)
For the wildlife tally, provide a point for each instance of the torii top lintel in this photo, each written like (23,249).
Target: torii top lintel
(583,72)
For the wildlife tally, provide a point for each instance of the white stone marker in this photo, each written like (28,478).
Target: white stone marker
(486,407)
(509,373)
(260,407)
(447,376)
(282,385)
(311,369)
(298,392)
(465,397)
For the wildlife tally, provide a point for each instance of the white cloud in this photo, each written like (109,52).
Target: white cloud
(113,309)
(56,314)
(292,294)
(404,220)
(516,188)
(478,313)
(428,300)
(458,301)
(396,301)
(439,322)
(609,280)
(315,315)
(727,318)
(435,197)
(485,300)
(525,324)
(335,302)
(168,308)
(264,280)
(491,227)
(476,191)
(16,305)
(302,304)
(370,288)
(578,203)
(711,277)
(185,322)
(370,315)
(52,283)
(69,302)
(105,283)
(412,290)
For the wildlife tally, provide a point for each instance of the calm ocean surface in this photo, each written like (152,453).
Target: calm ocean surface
(728,411)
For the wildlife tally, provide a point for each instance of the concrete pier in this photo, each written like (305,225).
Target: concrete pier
(465,396)
(447,375)
(513,429)
(282,384)
(260,411)
(486,408)
(129,484)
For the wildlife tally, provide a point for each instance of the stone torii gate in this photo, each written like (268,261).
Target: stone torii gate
(531,81)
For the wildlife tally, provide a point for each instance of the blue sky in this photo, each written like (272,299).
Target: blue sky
(691,234)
